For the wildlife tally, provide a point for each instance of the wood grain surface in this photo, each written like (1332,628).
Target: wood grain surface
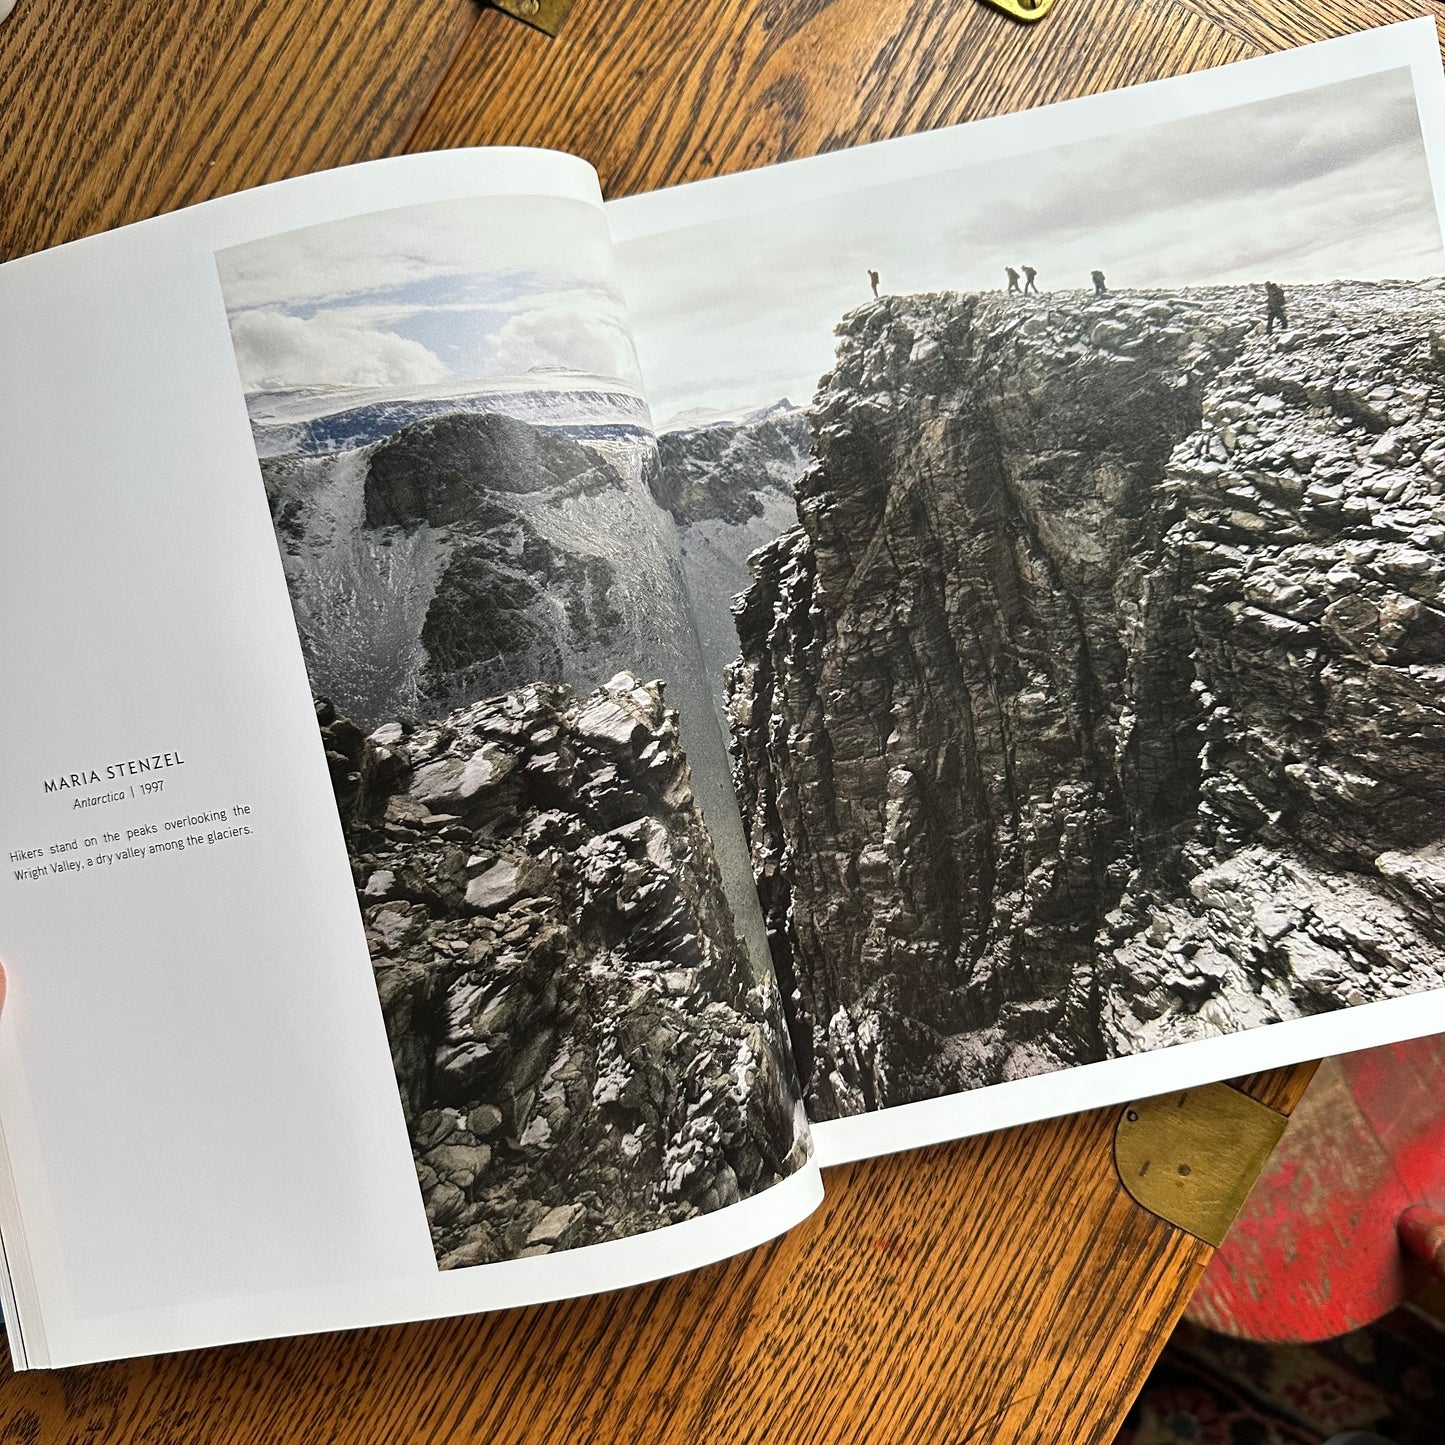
(655,95)
(114,110)
(1002,1289)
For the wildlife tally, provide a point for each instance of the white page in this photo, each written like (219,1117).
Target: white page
(202,1126)
(1308,166)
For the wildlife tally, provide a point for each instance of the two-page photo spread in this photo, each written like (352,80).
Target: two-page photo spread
(534,725)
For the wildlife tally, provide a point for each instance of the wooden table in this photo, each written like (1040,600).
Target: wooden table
(1002,1289)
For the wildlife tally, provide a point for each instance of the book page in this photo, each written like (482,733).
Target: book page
(377,912)
(1061,503)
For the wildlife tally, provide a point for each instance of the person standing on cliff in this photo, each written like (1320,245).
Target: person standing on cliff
(1274,308)
(1097,277)
(1013,281)
(873,282)
(1029,288)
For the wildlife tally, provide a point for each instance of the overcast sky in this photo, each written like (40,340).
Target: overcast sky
(1323,184)
(441,294)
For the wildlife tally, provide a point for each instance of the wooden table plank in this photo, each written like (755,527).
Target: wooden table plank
(653,104)
(1003,1288)
(1273,26)
(653,99)
(113,110)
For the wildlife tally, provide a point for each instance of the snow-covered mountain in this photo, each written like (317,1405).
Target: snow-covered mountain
(469,553)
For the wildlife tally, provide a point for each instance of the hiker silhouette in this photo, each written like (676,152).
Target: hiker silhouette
(1274,308)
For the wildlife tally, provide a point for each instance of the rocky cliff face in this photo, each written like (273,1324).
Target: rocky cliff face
(581,1047)
(729,488)
(473,553)
(1096,701)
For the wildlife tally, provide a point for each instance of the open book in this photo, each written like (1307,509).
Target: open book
(507,772)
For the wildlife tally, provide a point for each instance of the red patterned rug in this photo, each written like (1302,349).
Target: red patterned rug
(1208,1389)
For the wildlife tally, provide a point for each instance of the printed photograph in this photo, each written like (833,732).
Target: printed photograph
(1080,634)
(571,964)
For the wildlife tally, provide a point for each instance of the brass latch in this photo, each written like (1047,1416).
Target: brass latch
(1029,10)
(1192,1157)
(548,15)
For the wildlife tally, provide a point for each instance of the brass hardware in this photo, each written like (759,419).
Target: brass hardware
(547,15)
(1028,10)
(1192,1157)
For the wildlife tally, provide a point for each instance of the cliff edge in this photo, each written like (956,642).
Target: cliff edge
(1097,701)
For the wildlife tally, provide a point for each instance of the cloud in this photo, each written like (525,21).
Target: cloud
(1326,183)
(1256,153)
(276,350)
(472,290)
(568,338)
(500,243)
